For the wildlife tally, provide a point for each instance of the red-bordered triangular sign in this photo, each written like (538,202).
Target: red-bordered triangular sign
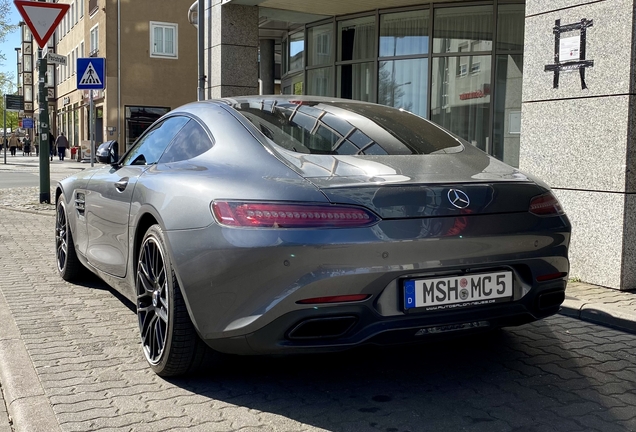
(42,18)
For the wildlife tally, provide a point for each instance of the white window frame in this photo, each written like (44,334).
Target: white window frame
(175,27)
(92,48)
(81,8)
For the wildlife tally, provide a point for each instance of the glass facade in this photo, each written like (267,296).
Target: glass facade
(460,66)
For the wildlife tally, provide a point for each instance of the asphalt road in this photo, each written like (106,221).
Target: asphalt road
(10,180)
(560,374)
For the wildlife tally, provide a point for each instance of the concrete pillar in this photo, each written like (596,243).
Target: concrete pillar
(231,50)
(267,65)
(580,135)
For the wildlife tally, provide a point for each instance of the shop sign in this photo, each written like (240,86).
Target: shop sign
(478,94)
(66,100)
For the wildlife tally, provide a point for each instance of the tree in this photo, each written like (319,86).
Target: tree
(12,116)
(6,79)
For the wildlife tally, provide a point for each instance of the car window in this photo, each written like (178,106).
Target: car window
(149,148)
(346,128)
(191,141)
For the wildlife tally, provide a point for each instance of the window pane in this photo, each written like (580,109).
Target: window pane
(138,119)
(319,40)
(320,82)
(461,103)
(169,43)
(404,84)
(296,51)
(26,33)
(190,142)
(356,81)
(463,29)
(28,94)
(150,147)
(510,27)
(158,40)
(357,39)
(372,129)
(295,84)
(27,62)
(507,121)
(404,33)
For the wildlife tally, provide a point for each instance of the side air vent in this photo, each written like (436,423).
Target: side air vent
(80,204)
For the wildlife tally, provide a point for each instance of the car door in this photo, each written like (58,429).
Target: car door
(109,195)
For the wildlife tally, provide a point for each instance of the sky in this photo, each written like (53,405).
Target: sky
(8,46)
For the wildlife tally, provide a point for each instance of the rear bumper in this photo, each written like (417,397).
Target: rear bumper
(370,328)
(242,286)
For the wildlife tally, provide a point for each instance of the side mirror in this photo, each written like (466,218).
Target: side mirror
(108,153)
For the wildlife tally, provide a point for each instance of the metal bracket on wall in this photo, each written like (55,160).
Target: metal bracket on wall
(581,63)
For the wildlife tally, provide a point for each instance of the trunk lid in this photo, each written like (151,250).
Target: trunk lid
(415,186)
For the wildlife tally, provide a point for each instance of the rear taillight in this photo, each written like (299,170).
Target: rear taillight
(279,215)
(551,276)
(546,205)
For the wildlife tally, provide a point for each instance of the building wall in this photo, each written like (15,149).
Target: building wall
(146,80)
(581,140)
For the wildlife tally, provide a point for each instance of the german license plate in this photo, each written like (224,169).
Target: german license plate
(457,291)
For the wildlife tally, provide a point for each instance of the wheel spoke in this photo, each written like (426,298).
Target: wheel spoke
(159,336)
(163,314)
(145,282)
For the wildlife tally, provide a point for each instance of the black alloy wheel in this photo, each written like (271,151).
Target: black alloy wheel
(170,342)
(68,265)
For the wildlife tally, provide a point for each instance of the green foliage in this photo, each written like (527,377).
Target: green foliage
(12,117)
(6,27)
(7,83)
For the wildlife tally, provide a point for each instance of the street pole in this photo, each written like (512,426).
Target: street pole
(92,129)
(4,130)
(45,176)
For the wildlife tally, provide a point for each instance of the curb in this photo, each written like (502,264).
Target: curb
(27,404)
(600,313)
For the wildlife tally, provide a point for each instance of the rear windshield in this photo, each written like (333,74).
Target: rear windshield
(346,128)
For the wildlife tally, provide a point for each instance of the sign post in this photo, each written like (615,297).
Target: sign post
(91,72)
(11,103)
(42,19)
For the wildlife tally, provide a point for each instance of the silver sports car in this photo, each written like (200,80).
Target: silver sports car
(263,225)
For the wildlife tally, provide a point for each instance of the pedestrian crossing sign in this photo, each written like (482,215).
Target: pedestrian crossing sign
(91,73)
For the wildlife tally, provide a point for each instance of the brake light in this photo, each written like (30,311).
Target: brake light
(335,299)
(546,205)
(279,215)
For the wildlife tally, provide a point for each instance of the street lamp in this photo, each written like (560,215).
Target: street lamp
(17,75)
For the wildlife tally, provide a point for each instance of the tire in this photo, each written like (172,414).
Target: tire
(68,265)
(170,343)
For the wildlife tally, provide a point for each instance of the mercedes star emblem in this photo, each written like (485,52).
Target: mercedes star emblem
(458,198)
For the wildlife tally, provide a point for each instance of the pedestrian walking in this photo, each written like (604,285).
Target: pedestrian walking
(26,146)
(52,148)
(13,144)
(61,143)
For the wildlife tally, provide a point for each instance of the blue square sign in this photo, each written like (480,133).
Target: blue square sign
(91,73)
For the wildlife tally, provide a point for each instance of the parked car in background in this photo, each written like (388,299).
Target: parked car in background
(268,225)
